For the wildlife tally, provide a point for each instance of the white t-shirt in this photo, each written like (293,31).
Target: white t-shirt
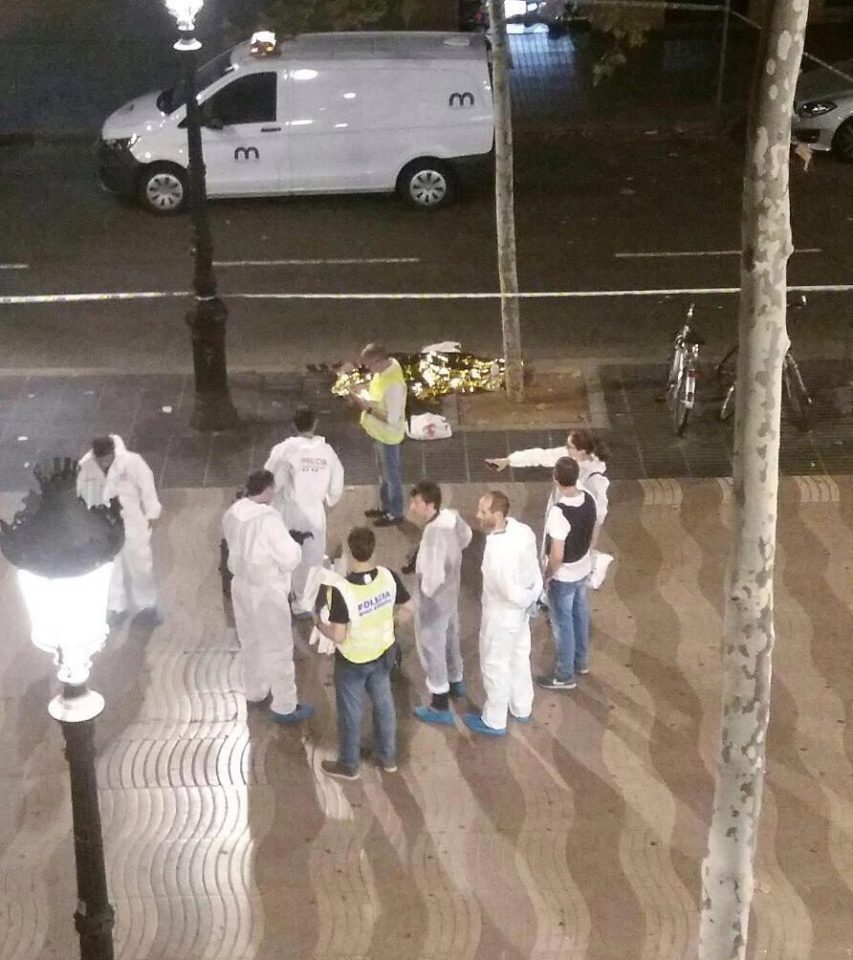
(557,527)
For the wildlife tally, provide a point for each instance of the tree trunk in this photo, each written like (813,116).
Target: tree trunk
(504,205)
(748,632)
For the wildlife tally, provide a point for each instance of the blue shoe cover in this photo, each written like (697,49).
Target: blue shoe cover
(474,722)
(302,712)
(431,715)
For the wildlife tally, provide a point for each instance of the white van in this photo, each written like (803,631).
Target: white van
(321,113)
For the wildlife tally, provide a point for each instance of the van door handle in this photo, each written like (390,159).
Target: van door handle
(270,129)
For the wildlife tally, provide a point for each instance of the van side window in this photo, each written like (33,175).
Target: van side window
(249,99)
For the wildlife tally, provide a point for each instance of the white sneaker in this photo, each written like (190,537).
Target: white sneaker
(600,564)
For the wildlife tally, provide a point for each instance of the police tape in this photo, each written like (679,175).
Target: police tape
(53,298)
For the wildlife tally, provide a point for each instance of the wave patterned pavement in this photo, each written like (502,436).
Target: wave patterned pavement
(578,837)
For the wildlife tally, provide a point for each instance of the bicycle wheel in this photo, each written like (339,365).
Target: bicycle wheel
(727,407)
(795,393)
(676,365)
(683,400)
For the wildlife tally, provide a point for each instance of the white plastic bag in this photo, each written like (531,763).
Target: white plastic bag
(600,563)
(445,346)
(428,426)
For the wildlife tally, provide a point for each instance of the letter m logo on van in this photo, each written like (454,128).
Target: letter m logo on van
(247,153)
(461,100)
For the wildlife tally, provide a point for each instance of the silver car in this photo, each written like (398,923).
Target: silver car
(823,110)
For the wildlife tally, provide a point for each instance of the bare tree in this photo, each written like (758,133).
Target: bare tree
(748,629)
(505,204)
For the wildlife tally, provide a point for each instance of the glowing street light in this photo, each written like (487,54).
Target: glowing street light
(64,555)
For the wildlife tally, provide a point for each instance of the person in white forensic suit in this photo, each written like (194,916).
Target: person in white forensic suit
(590,452)
(438,573)
(110,470)
(262,557)
(512,582)
(309,478)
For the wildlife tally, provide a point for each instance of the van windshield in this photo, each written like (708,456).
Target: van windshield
(174,97)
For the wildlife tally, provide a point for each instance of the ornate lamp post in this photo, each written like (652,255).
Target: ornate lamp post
(64,555)
(213,409)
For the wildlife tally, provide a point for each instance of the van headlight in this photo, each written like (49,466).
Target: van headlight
(815,108)
(121,143)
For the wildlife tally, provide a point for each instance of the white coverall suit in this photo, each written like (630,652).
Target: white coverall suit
(262,555)
(130,479)
(512,582)
(308,478)
(438,570)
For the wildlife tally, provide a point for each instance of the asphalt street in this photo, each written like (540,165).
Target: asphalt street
(608,225)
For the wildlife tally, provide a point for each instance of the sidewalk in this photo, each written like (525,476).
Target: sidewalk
(579,837)
(45,416)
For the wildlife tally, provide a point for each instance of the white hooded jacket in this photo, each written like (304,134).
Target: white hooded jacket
(129,478)
(440,552)
(260,550)
(308,478)
(512,578)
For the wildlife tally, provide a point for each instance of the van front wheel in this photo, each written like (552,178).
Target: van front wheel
(427,184)
(163,189)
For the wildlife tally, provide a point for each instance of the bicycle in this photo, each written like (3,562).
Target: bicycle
(794,389)
(683,371)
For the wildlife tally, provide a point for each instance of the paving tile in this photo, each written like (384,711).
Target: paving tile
(10,389)
(15,476)
(17,460)
(414,468)
(229,461)
(185,462)
(445,459)
(481,446)
(65,412)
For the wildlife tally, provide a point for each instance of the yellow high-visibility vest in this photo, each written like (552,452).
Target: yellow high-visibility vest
(374,427)
(370,630)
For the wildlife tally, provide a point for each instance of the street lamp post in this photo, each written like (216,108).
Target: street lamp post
(213,409)
(64,555)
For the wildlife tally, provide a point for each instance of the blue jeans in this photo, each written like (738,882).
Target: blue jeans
(351,682)
(570,623)
(389,456)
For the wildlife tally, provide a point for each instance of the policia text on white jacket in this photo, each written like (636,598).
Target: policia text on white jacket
(308,479)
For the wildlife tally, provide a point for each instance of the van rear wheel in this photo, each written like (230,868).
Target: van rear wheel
(163,189)
(427,184)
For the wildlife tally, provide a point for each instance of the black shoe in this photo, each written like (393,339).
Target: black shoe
(386,521)
(115,617)
(148,619)
(554,682)
(374,513)
(333,768)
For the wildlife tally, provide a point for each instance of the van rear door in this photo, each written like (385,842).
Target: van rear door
(242,136)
